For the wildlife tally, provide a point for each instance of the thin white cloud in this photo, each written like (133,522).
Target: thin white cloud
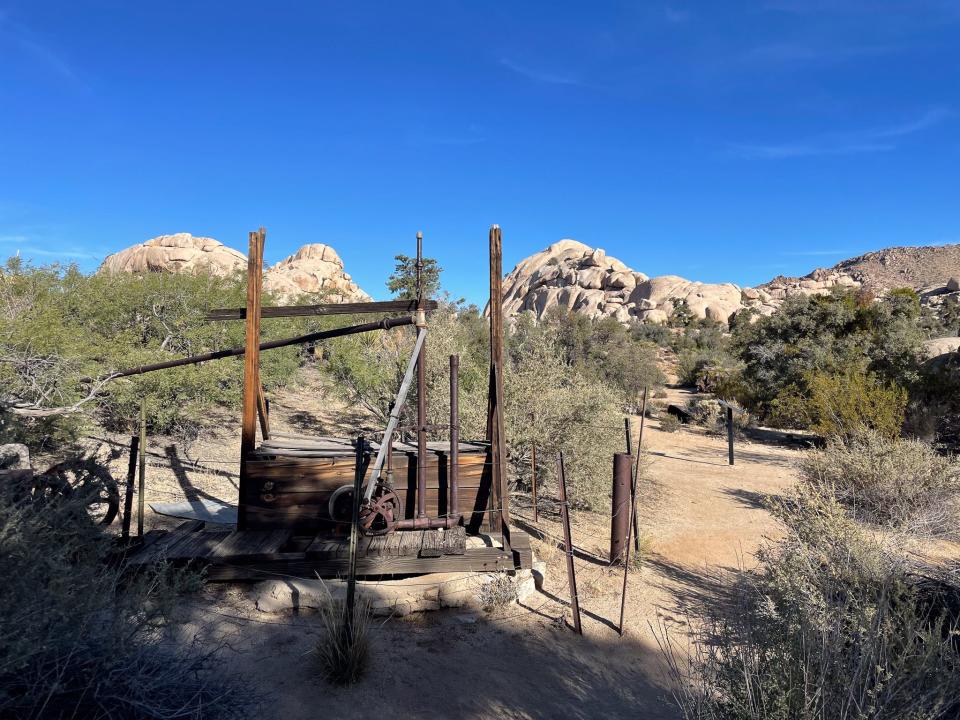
(873,140)
(31,44)
(8,239)
(538,75)
(65,254)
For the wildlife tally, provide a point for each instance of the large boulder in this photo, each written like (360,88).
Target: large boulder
(314,269)
(177,253)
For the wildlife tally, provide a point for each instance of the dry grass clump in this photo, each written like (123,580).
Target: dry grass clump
(829,626)
(900,483)
(80,640)
(343,652)
(669,423)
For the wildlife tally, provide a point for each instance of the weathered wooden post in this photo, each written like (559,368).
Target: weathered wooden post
(568,544)
(251,366)
(131,478)
(499,500)
(453,476)
(142,455)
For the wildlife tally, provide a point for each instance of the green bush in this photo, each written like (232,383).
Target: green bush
(887,481)
(847,403)
(828,626)
(58,326)
(835,341)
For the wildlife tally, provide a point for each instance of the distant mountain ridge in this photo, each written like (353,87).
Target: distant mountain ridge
(576,277)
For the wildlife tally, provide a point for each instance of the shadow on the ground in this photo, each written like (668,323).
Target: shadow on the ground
(695,590)
(181,472)
(750,498)
(444,664)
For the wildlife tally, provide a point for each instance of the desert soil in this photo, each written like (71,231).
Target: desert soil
(699,518)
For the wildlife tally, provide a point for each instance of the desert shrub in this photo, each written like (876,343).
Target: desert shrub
(78,639)
(810,338)
(669,423)
(887,481)
(58,326)
(828,626)
(497,593)
(343,650)
(848,402)
(548,402)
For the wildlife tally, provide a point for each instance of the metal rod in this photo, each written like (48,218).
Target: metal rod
(421,392)
(730,434)
(533,481)
(453,497)
(626,430)
(384,324)
(633,513)
(636,471)
(142,448)
(354,533)
(131,478)
(422,432)
(386,444)
(568,544)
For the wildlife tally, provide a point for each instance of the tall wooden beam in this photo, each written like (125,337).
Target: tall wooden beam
(251,364)
(499,519)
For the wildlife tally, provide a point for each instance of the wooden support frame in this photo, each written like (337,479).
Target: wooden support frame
(278,311)
(251,362)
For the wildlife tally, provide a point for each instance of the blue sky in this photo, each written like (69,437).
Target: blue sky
(719,141)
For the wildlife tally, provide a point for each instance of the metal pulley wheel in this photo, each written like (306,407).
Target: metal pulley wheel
(378,517)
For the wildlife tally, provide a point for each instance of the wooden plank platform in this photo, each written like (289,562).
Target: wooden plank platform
(256,554)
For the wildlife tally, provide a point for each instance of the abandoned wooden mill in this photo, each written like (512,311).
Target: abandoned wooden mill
(410,507)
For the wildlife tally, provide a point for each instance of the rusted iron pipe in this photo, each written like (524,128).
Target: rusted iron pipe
(427,523)
(384,324)
(453,497)
(621,507)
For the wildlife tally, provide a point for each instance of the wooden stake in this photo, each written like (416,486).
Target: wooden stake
(568,544)
(131,479)
(142,447)
(251,365)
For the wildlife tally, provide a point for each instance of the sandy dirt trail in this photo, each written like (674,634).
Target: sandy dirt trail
(698,516)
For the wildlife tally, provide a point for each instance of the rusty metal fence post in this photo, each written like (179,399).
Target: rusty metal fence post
(620,507)
(131,478)
(568,544)
(354,532)
(143,466)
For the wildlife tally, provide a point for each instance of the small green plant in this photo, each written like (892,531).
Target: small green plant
(343,651)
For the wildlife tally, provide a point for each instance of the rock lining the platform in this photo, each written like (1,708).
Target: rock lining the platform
(394,597)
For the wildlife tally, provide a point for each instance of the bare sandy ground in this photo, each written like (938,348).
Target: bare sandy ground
(698,516)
